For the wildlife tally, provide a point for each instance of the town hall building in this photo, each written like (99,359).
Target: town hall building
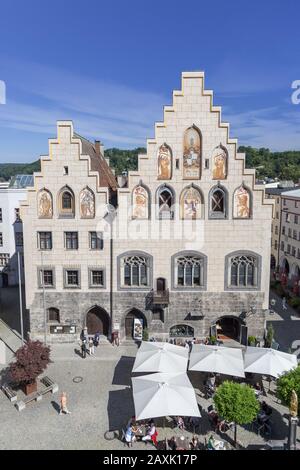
(178,249)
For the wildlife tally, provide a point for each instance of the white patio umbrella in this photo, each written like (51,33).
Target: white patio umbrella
(160,357)
(164,394)
(268,361)
(219,359)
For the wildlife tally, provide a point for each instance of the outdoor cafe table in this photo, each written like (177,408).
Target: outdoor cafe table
(140,431)
(182,443)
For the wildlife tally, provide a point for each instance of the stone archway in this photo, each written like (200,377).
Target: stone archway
(97,321)
(229,327)
(130,318)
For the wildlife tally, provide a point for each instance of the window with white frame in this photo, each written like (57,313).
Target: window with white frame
(96,277)
(96,240)
(46,277)
(71,278)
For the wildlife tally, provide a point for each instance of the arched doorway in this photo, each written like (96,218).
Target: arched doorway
(97,321)
(285,267)
(228,328)
(135,323)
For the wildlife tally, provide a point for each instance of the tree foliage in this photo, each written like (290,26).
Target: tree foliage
(7,170)
(31,360)
(123,160)
(236,403)
(286,383)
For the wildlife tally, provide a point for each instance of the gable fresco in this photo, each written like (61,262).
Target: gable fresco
(87,204)
(190,204)
(191,154)
(164,162)
(140,203)
(45,207)
(241,203)
(219,162)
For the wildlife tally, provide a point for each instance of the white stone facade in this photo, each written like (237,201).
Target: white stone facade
(242,232)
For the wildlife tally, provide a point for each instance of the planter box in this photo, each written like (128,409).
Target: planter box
(30,388)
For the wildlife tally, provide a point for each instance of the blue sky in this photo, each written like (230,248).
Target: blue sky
(110,66)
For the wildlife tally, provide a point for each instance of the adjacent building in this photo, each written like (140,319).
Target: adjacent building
(289,241)
(182,249)
(11,230)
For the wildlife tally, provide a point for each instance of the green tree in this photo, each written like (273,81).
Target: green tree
(236,403)
(286,383)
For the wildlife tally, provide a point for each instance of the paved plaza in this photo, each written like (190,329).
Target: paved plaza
(100,399)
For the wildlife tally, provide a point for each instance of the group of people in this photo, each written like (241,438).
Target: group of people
(134,431)
(88,343)
(194,443)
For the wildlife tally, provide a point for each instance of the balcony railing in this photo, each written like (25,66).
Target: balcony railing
(158,297)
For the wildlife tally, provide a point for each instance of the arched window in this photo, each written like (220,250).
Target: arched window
(140,202)
(189,270)
(87,204)
(218,203)
(53,315)
(190,203)
(243,270)
(182,331)
(166,201)
(242,203)
(45,205)
(192,154)
(135,270)
(66,203)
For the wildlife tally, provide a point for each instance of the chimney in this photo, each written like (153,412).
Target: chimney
(97,147)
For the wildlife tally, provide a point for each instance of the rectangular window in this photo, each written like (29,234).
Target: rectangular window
(1,215)
(283,230)
(234,271)
(45,240)
(295,234)
(71,240)
(72,278)
(275,244)
(188,275)
(298,253)
(284,202)
(282,246)
(289,249)
(47,277)
(196,277)
(66,170)
(96,240)
(290,232)
(1,239)
(295,219)
(277,215)
(97,278)
(19,238)
(207,163)
(4,259)
(293,251)
(276,229)
(177,163)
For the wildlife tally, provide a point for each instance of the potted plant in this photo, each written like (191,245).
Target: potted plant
(145,334)
(251,341)
(212,340)
(31,360)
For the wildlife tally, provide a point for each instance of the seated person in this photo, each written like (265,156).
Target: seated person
(195,443)
(211,443)
(172,443)
(194,422)
(180,423)
(211,381)
(151,433)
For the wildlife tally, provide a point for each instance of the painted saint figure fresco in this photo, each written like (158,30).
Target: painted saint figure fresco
(219,163)
(241,203)
(87,204)
(164,161)
(45,209)
(190,204)
(191,154)
(140,203)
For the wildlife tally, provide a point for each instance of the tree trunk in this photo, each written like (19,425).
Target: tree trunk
(235,434)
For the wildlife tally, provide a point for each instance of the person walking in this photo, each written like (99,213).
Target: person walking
(284,307)
(63,404)
(83,349)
